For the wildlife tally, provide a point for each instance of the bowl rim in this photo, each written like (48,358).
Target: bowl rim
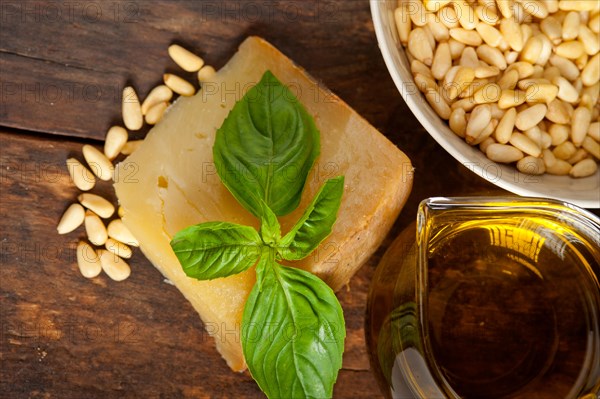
(458,148)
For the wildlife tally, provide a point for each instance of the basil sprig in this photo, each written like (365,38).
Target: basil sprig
(293,327)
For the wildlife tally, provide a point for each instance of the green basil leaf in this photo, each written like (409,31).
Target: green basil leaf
(216,249)
(293,333)
(316,222)
(266,148)
(270,229)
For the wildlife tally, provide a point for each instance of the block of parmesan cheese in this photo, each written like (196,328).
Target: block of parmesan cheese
(170,183)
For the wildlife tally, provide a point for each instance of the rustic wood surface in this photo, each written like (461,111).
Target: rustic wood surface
(62,67)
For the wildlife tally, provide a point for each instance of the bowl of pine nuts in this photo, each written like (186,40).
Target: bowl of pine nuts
(510,88)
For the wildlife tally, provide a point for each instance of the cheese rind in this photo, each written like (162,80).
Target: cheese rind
(170,183)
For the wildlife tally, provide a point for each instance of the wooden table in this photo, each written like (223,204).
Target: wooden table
(63,66)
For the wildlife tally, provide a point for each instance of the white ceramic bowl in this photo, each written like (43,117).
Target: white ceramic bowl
(584,192)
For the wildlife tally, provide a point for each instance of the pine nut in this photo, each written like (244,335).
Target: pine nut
(535,8)
(425,83)
(481,116)
(116,137)
(570,50)
(468,58)
(417,66)
(88,260)
(524,69)
(448,17)
(509,80)
(546,51)
(403,22)
(118,248)
(525,144)
(489,93)
(570,26)
(465,103)
(207,74)
(437,28)
(97,204)
(577,5)
(95,229)
(531,165)
(567,68)
(489,34)
(485,144)
(492,56)
(559,133)
(71,219)
(558,112)
(594,23)
(417,12)
(579,155)
(511,31)
(131,109)
(485,134)
(458,122)
(157,95)
(530,117)
(559,168)
(582,61)
(131,146)
(437,102)
(187,60)
(487,14)
(178,85)
(519,14)
(505,7)
(541,93)
(468,37)
(511,98)
(435,5)
(155,113)
(584,168)
(591,146)
(589,39)
(506,126)
(456,48)
(503,153)
(510,56)
(565,150)
(80,175)
(486,71)
(581,120)
(466,15)
(548,158)
(566,91)
(120,211)
(551,72)
(118,231)
(591,73)
(442,61)
(98,163)
(464,77)
(114,267)
(594,131)
(532,50)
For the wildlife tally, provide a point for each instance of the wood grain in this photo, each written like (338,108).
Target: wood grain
(64,64)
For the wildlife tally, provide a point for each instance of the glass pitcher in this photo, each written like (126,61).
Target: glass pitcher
(489,298)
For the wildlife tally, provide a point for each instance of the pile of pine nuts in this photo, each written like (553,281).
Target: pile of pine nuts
(109,244)
(518,78)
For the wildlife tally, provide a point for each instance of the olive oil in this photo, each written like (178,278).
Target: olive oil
(509,314)
(489,298)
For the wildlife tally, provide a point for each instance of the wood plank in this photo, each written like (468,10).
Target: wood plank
(63,335)
(67,62)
